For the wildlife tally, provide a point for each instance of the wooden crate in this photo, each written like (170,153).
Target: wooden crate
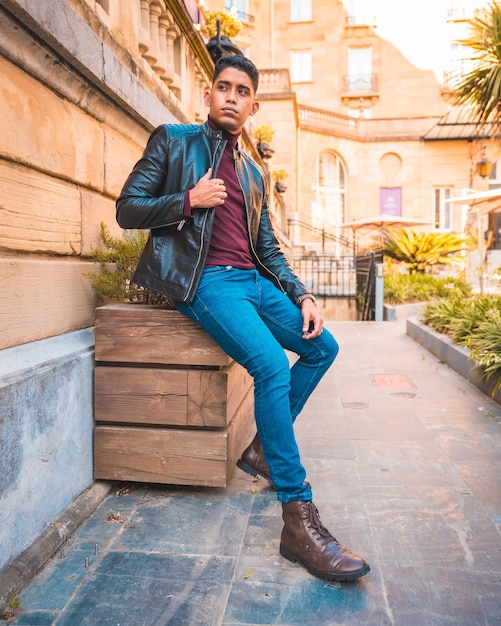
(170,405)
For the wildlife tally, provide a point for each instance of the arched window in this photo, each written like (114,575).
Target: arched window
(329,193)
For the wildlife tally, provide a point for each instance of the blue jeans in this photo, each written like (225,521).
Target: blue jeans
(254,322)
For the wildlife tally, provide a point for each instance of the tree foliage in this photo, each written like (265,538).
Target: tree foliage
(420,252)
(480,88)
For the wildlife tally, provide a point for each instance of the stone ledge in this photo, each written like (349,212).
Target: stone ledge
(18,573)
(455,357)
(401,311)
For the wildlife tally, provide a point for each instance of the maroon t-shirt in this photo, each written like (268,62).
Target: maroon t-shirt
(229,244)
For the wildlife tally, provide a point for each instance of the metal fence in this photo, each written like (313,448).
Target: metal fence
(326,275)
(365,264)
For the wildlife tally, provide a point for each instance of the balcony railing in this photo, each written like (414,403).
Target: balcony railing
(360,83)
(460,14)
(323,120)
(245,17)
(361,20)
(367,129)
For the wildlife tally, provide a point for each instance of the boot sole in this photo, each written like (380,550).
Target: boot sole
(285,552)
(253,471)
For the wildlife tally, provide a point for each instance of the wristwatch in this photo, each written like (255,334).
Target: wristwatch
(304,296)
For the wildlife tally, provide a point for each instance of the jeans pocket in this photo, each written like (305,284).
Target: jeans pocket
(212,275)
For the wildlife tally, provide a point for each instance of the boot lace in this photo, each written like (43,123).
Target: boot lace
(312,517)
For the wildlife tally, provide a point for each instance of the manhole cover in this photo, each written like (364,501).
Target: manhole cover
(403,394)
(355,405)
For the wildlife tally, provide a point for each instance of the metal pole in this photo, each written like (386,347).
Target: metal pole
(379,292)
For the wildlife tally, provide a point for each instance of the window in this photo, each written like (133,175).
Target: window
(442,209)
(329,194)
(300,66)
(360,69)
(240,6)
(300,10)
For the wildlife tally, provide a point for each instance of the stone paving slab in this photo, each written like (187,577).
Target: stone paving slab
(407,476)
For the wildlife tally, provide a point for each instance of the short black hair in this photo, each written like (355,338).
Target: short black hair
(239,62)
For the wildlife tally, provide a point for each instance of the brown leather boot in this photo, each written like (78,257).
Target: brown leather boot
(305,539)
(252,461)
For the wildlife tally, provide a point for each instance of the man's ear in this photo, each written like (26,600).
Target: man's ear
(254,109)
(207,98)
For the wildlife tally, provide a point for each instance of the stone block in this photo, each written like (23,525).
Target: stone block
(43,297)
(40,213)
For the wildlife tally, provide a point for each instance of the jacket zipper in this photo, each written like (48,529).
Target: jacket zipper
(204,225)
(183,221)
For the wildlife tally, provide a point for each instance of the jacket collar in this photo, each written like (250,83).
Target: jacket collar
(220,132)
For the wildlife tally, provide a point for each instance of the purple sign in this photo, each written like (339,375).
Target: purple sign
(390,201)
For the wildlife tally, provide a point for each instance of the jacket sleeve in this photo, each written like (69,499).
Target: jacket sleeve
(142,202)
(274,260)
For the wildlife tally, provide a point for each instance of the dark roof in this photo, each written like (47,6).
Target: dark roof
(457,124)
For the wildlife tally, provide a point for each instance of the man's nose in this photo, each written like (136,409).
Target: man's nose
(231,95)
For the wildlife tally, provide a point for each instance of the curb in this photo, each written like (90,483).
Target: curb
(395,312)
(455,357)
(19,572)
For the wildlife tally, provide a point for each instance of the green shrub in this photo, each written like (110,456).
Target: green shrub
(118,259)
(406,288)
(473,323)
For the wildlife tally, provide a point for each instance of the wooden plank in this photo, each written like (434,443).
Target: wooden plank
(138,333)
(214,396)
(169,397)
(245,425)
(136,395)
(172,456)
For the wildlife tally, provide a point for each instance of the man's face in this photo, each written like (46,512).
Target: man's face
(231,99)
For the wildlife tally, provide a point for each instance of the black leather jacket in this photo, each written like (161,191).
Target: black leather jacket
(175,158)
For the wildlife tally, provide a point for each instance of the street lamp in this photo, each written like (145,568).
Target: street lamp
(484,166)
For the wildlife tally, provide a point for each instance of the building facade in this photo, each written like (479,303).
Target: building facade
(84,82)
(358,129)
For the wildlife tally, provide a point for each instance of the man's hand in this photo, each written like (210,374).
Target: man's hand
(311,316)
(208,192)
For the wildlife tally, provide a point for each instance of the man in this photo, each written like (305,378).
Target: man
(212,249)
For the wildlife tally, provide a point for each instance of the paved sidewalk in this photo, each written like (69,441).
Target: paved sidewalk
(404,457)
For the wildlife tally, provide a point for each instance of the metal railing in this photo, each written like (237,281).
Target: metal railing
(365,264)
(319,235)
(327,276)
(360,83)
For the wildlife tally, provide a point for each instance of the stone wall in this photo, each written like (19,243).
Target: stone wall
(82,88)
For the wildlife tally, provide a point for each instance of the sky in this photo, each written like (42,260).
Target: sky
(418,28)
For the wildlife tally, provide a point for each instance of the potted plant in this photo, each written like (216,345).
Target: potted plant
(229,23)
(279,177)
(219,28)
(263,136)
(118,259)
(162,386)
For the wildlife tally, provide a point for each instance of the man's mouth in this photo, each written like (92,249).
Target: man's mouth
(228,110)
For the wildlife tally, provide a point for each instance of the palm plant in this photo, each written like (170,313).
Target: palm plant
(481,87)
(420,252)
